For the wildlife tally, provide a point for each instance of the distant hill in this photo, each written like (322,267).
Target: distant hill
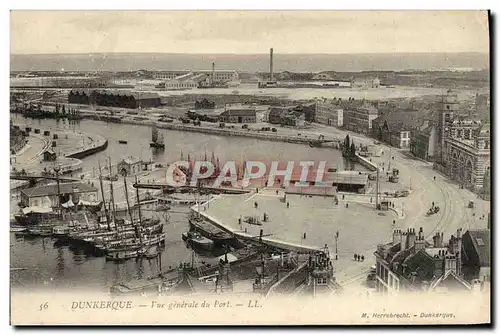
(250,63)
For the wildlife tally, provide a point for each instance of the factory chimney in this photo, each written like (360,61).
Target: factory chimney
(271,64)
(212,81)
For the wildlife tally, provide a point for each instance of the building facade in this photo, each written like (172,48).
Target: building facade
(18,139)
(410,263)
(329,114)
(221,76)
(186,81)
(469,160)
(47,196)
(239,115)
(423,141)
(123,99)
(449,108)
(360,119)
(129,166)
(394,128)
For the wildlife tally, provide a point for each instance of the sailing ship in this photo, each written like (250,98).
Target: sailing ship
(156,139)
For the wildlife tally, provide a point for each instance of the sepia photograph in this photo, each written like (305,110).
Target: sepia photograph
(250,167)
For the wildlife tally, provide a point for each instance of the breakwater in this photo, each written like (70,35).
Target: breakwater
(366,163)
(82,153)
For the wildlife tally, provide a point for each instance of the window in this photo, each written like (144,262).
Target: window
(479,241)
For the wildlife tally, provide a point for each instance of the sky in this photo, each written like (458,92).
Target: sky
(251,32)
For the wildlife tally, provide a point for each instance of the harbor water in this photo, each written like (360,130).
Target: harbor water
(43,262)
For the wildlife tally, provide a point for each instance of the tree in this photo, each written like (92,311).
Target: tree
(352,151)
(346,142)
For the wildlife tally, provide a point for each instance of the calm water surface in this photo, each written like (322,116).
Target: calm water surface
(44,263)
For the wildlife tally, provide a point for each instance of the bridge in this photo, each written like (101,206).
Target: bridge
(36,177)
(169,188)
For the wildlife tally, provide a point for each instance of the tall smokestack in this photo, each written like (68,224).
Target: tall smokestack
(271,64)
(213,74)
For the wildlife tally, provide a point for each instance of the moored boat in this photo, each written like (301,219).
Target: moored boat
(196,239)
(208,230)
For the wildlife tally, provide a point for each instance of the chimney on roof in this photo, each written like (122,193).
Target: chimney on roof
(419,244)
(438,240)
(439,264)
(411,238)
(271,64)
(404,241)
(396,237)
(450,263)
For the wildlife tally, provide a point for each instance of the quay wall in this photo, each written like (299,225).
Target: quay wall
(249,237)
(99,146)
(223,131)
(366,163)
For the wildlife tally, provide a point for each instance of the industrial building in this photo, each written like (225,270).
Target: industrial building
(47,195)
(186,81)
(239,115)
(221,76)
(123,99)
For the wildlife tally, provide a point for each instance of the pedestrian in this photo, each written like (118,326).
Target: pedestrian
(287,205)
(393,222)
(305,236)
(432,204)
(276,192)
(256,205)
(355,257)
(362,258)
(392,205)
(434,177)
(346,205)
(343,196)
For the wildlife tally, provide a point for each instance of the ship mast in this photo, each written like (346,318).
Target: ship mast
(138,202)
(103,198)
(126,197)
(112,195)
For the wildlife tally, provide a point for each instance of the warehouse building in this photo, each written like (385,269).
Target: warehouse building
(239,115)
(47,196)
(123,99)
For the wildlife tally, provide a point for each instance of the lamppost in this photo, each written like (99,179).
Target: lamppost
(336,245)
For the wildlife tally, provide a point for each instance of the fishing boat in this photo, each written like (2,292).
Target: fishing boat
(30,216)
(196,239)
(208,230)
(153,252)
(156,139)
(122,255)
(122,142)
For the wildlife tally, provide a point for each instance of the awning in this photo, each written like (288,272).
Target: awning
(35,209)
(68,204)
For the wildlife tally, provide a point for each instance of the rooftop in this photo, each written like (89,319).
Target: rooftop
(48,190)
(132,160)
(481,242)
